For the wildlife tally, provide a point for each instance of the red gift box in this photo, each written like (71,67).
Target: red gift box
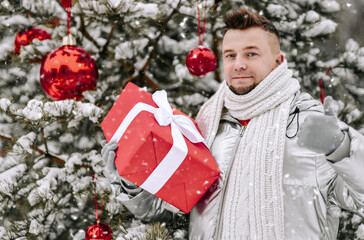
(154,154)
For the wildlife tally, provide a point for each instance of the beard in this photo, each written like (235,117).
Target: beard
(242,90)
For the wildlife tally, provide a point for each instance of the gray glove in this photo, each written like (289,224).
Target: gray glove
(321,133)
(108,156)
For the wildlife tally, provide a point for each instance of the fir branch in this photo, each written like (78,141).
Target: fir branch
(44,140)
(86,34)
(142,71)
(215,49)
(104,48)
(54,158)
(35,148)
(129,79)
(151,54)
(150,82)
(216,40)
(5,138)
(157,231)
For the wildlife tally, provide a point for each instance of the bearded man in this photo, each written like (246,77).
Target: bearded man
(287,164)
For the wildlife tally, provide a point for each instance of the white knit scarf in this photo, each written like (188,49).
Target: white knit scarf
(253,207)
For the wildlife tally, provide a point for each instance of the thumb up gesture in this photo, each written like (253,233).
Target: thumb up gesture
(321,133)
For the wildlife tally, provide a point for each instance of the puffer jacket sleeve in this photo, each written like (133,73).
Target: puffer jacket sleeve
(142,204)
(344,186)
(347,189)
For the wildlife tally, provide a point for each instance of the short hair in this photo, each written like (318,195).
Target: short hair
(244,18)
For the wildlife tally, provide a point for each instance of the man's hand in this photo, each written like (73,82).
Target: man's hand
(321,133)
(108,155)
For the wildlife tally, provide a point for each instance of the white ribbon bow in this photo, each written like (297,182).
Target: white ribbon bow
(164,116)
(180,126)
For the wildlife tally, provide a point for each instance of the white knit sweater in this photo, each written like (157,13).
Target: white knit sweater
(254,202)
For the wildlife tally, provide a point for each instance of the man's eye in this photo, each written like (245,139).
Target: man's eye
(251,54)
(230,56)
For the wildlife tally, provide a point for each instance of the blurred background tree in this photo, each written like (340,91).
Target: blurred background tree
(49,149)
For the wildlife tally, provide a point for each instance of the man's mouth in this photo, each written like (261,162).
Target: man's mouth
(241,77)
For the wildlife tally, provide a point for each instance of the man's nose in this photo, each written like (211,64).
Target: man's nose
(240,64)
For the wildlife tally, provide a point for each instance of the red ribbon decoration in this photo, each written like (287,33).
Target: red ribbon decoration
(322,92)
(98,231)
(68,20)
(102,201)
(67,4)
(200,39)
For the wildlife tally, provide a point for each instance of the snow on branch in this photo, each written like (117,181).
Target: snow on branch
(4,104)
(326,26)
(36,110)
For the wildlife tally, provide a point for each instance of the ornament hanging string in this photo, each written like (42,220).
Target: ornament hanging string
(102,202)
(68,8)
(201,38)
(68,20)
(322,92)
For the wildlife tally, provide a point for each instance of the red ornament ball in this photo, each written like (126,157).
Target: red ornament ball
(200,61)
(66,3)
(67,72)
(98,231)
(26,36)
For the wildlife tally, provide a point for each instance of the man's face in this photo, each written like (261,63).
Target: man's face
(249,56)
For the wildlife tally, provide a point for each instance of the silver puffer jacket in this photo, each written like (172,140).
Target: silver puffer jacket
(314,188)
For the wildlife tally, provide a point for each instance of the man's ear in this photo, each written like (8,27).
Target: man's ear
(279,59)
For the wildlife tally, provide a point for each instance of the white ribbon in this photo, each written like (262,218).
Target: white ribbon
(180,125)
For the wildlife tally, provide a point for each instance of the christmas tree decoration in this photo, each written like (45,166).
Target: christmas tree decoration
(322,91)
(98,231)
(69,70)
(26,36)
(201,60)
(67,3)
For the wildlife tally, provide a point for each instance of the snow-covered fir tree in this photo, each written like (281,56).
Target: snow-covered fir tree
(49,150)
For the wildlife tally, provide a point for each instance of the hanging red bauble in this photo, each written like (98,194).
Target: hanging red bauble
(66,3)
(200,61)
(98,231)
(27,36)
(67,72)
